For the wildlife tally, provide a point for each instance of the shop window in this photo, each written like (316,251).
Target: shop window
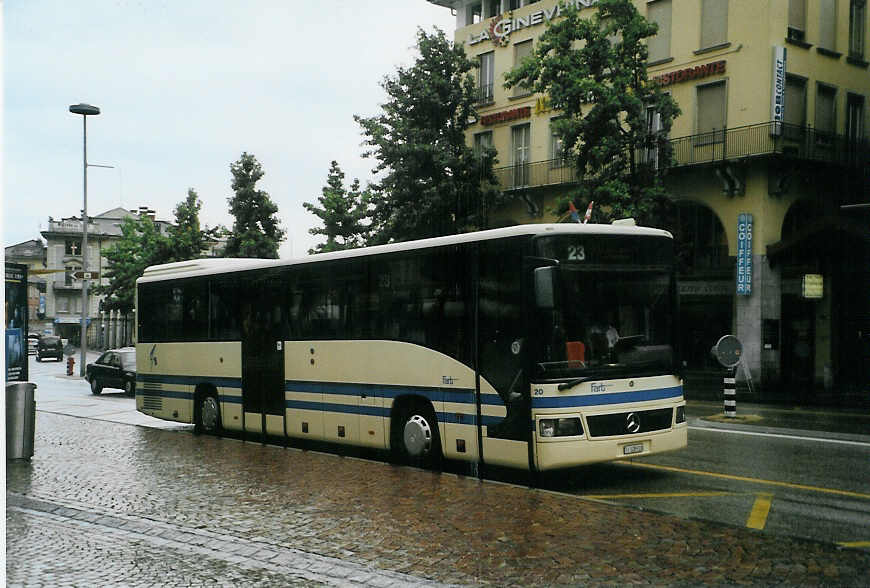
(659,46)
(714,23)
(797,20)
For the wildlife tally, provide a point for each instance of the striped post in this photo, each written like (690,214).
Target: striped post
(730,392)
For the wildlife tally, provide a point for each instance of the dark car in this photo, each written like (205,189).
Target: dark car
(49,346)
(116,368)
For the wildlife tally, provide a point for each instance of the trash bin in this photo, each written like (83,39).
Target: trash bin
(20,419)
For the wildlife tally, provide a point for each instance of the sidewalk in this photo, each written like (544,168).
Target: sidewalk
(828,423)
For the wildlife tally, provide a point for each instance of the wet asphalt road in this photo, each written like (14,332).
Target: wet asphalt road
(108,503)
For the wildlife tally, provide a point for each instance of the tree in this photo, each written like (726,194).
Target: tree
(433,183)
(594,71)
(341,212)
(187,239)
(141,245)
(256,230)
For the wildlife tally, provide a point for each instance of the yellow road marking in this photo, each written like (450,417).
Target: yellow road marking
(747,479)
(854,543)
(758,517)
(657,495)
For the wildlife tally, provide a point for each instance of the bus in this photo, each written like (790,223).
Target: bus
(536,347)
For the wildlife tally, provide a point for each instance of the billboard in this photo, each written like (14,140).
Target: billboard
(16,323)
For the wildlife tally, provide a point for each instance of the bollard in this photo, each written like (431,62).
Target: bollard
(20,419)
(730,392)
(70,364)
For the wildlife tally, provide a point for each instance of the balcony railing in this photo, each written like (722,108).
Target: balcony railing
(765,139)
(771,138)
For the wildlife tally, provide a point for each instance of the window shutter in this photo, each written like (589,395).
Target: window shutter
(828,24)
(660,13)
(711,108)
(714,22)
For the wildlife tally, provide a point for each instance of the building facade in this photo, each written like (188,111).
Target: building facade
(770,172)
(63,288)
(32,254)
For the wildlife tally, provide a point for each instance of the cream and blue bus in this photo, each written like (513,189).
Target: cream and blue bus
(535,347)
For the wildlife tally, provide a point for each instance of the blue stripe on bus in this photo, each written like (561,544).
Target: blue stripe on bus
(460,396)
(600,399)
(189,380)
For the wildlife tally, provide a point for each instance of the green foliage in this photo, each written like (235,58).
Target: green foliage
(187,239)
(341,211)
(256,231)
(594,71)
(433,183)
(140,246)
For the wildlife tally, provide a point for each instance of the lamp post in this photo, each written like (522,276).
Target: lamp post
(85,110)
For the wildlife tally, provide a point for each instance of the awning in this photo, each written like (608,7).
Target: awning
(817,235)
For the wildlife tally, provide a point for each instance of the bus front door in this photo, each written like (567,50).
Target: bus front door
(263,363)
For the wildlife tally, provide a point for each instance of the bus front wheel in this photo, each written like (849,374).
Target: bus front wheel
(417,439)
(208,414)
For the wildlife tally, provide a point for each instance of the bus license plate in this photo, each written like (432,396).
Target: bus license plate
(632,449)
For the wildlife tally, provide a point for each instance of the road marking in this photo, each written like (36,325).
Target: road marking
(823,490)
(758,517)
(854,543)
(658,495)
(781,436)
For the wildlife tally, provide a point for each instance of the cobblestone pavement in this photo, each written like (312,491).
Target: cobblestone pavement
(115,504)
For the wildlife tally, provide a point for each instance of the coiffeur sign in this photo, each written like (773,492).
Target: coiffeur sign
(691,73)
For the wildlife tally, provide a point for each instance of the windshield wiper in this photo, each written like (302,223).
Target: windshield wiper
(574,382)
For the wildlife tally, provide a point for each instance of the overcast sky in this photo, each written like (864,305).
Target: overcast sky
(185,86)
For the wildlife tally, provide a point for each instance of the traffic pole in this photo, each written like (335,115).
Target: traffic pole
(730,389)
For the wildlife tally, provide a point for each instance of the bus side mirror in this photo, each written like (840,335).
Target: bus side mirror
(545,287)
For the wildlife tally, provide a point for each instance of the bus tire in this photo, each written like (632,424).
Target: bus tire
(416,439)
(207,414)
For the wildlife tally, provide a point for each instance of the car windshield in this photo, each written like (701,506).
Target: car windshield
(615,311)
(50,340)
(128,360)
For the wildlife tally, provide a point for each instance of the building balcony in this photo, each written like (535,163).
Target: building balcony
(69,226)
(760,140)
(770,138)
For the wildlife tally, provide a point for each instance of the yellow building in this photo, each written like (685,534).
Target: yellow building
(771,174)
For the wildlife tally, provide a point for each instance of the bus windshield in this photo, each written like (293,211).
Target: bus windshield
(614,314)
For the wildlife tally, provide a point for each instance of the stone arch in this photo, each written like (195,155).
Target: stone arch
(700,237)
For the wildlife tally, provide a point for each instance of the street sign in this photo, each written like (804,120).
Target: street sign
(80,275)
(728,351)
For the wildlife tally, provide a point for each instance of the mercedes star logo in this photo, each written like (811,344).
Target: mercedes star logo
(632,422)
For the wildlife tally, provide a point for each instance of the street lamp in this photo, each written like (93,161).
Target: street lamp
(85,110)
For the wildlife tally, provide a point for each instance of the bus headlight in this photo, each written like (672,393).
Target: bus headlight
(564,427)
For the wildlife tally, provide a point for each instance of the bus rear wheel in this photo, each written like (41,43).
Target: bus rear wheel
(208,415)
(417,440)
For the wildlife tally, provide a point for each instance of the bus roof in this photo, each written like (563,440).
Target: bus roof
(200,267)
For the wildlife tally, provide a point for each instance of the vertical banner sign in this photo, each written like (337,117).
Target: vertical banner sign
(744,254)
(16,322)
(777,94)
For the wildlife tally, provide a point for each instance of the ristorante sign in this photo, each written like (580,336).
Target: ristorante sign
(501,27)
(506,116)
(691,73)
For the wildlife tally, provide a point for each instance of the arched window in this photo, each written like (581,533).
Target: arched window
(700,239)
